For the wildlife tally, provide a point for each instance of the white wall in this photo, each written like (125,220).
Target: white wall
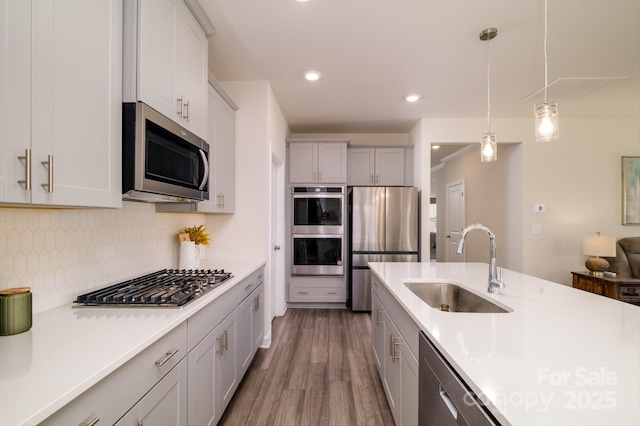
(493,197)
(578,178)
(261,131)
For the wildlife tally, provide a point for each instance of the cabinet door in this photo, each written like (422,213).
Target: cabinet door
(192,58)
(244,350)
(257,318)
(360,166)
(389,166)
(166,402)
(378,315)
(392,380)
(226,358)
(303,158)
(202,401)
(332,163)
(15,98)
(158,67)
(224,156)
(409,385)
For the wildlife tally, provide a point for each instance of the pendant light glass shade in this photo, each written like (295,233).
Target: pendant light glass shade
(488,148)
(546,113)
(547,126)
(488,144)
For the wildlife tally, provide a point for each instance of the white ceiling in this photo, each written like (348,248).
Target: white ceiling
(372,53)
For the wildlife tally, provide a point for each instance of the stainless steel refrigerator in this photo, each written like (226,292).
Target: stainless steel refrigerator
(383,227)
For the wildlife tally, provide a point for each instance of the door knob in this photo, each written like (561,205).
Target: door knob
(276,247)
(448,236)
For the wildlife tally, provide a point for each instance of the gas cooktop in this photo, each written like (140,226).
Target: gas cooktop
(165,288)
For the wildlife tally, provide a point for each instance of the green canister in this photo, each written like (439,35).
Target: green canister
(15,310)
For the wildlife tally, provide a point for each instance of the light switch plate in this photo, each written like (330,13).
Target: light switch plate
(536,229)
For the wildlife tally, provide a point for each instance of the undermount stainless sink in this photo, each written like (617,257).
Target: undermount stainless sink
(451,297)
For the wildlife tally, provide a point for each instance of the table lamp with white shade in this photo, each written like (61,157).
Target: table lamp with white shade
(597,246)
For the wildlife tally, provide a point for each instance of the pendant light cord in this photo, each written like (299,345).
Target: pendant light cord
(488,86)
(545,52)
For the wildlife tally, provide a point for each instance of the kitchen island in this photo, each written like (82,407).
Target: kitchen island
(560,356)
(69,350)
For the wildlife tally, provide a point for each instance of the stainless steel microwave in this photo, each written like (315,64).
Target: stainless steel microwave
(161,161)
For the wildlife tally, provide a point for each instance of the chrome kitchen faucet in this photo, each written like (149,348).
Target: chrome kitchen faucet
(495,281)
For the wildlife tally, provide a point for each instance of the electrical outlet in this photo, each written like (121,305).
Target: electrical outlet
(536,229)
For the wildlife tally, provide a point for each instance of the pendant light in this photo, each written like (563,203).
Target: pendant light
(488,143)
(546,113)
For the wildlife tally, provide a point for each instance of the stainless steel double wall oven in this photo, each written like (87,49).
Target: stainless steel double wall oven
(318,230)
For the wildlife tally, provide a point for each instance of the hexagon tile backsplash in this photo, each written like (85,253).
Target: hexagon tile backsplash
(63,253)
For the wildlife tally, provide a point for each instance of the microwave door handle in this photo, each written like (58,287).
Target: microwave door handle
(205,178)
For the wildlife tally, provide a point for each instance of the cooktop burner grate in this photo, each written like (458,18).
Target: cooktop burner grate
(165,288)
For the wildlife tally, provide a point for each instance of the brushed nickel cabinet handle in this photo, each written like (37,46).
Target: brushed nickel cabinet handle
(185,107)
(220,351)
(226,340)
(27,169)
(395,356)
(49,164)
(378,313)
(162,361)
(180,106)
(93,422)
(390,345)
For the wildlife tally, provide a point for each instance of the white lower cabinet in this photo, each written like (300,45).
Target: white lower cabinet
(397,363)
(188,376)
(166,402)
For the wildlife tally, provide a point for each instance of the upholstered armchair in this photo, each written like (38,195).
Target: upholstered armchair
(626,264)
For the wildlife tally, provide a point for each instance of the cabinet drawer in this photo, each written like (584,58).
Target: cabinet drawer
(317,294)
(205,320)
(114,395)
(443,397)
(251,283)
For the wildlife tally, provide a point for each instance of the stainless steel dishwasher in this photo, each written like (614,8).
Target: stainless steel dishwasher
(443,397)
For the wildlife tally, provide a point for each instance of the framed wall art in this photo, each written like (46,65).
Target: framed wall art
(631,190)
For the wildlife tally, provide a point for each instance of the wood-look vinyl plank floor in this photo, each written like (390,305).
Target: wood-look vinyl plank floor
(318,371)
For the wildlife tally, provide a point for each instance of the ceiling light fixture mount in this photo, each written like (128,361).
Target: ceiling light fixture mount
(488,142)
(546,113)
(312,75)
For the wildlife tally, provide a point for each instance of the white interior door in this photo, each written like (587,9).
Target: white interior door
(277,303)
(455,219)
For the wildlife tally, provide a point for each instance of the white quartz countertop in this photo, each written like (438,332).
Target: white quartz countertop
(561,357)
(68,349)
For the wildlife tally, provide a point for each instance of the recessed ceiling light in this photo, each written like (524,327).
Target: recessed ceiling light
(312,75)
(435,146)
(301,1)
(412,98)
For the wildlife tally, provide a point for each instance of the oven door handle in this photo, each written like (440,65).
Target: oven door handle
(205,178)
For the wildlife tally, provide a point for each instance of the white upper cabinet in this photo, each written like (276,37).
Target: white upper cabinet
(317,162)
(377,166)
(221,139)
(61,113)
(171,58)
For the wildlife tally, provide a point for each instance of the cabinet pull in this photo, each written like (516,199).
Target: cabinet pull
(395,356)
(226,340)
(332,292)
(49,164)
(27,169)
(90,423)
(185,107)
(371,180)
(448,402)
(391,345)
(261,276)
(222,200)
(302,292)
(248,286)
(180,106)
(220,345)
(256,303)
(378,313)
(166,357)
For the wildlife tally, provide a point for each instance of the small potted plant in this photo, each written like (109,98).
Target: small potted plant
(198,234)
